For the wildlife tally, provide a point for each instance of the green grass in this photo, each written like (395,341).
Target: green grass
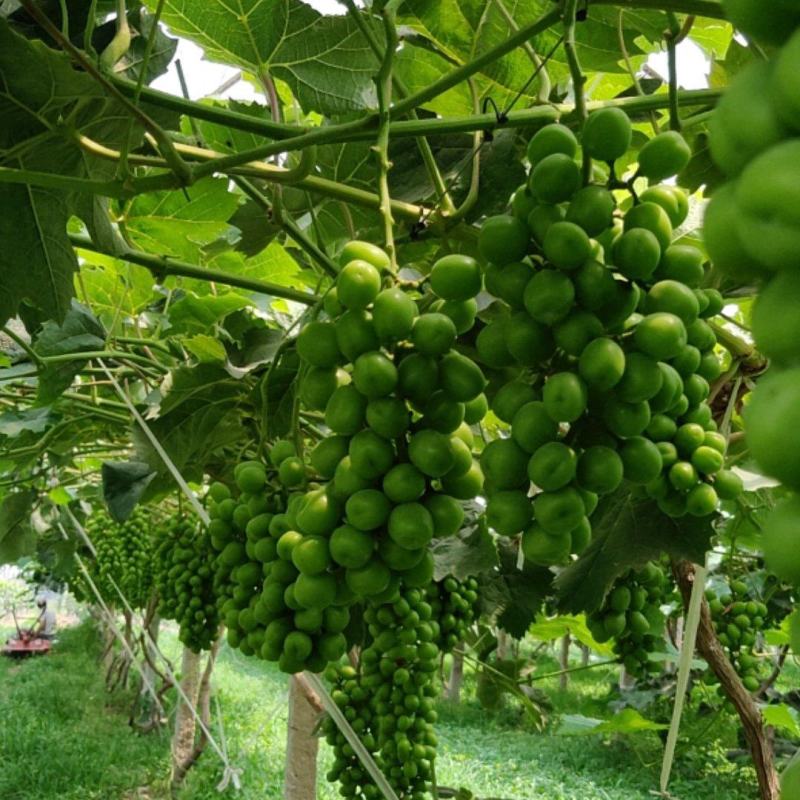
(62,736)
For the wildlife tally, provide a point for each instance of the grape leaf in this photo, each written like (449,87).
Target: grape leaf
(626,533)
(325,60)
(116,290)
(463,29)
(40,266)
(256,230)
(124,482)
(193,314)
(470,552)
(17,537)
(35,420)
(200,413)
(39,89)
(182,222)
(629,720)
(79,332)
(206,349)
(514,595)
(548,628)
(277,393)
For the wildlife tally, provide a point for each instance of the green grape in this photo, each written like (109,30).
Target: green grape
(631,615)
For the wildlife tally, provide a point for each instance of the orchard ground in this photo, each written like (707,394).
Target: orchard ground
(63,736)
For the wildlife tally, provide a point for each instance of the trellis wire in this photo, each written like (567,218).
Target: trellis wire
(231,773)
(684,668)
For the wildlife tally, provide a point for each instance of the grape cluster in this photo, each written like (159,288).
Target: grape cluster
(398,400)
(184,566)
(737,620)
(389,699)
(752,233)
(631,615)
(270,607)
(455,606)
(598,351)
(122,555)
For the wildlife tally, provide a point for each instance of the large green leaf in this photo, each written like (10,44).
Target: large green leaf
(201,412)
(471,552)
(35,420)
(79,332)
(627,533)
(38,268)
(325,60)
(116,290)
(182,222)
(39,90)
(463,29)
(17,537)
(124,482)
(193,314)
(629,720)
(514,595)
(549,628)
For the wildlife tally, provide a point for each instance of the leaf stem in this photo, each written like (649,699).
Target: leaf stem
(177,165)
(290,226)
(578,78)
(401,89)
(161,267)
(31,353)
(545,84)
(383,83)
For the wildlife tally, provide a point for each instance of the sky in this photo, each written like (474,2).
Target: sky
(202,76)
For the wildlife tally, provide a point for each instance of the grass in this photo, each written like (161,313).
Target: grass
(62,736)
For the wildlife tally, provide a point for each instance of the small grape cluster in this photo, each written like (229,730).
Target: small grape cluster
(631,615)
(456,605)
(184,566)
(122,555)
(606,307)
(389,700)
(737,620)
(752,238)
(275,593)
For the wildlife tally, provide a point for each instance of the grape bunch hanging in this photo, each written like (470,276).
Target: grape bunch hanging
(388,700)
(738,618)
(184,577)
(455,607)
(631,615)
(598,350)
(123,555)
(753,234)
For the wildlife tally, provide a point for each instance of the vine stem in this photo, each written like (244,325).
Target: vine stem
(288,136)
(673,35)
(711,650)
(545,84)
(161,267)
(400,88)
(177,164)
(578,78)
(383,82)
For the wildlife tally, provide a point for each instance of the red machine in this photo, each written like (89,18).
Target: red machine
(25,643)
